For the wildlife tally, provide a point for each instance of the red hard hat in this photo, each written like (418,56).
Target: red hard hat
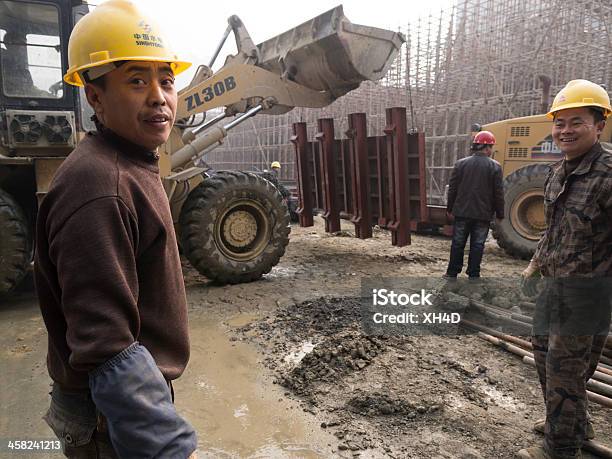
(484,138)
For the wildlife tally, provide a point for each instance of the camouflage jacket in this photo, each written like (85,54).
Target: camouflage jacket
(578,212)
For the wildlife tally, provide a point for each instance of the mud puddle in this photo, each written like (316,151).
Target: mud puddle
(236,411)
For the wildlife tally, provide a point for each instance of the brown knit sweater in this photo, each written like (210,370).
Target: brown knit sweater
(107,268)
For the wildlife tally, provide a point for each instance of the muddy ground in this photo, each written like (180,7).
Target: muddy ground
(281,367)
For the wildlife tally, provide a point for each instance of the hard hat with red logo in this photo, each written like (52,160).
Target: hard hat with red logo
(581,93)
(484,138)
(115,31)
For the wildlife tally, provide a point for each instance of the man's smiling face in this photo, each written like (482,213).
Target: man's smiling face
(137,101)
(575,131)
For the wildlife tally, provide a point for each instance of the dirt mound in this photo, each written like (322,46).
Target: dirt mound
(384,404)
(399,396)
(331,359)
(316,318)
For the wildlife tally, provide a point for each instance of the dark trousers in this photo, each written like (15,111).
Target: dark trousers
(477,231)
(79,426)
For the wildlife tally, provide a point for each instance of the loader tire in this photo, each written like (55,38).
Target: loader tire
(234,227)
(15,244)
(523,224)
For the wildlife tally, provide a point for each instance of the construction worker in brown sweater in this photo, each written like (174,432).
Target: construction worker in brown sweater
(107,268)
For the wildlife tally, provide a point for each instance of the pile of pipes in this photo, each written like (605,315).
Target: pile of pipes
(599,386)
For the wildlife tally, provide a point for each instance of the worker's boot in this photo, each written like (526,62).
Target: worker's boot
(537,452)
(540,423)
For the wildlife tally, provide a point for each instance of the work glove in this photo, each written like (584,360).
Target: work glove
(530,279)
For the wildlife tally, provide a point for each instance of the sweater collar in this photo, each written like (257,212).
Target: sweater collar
(131,151)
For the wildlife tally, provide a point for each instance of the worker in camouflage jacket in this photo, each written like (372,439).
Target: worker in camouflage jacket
(574,256)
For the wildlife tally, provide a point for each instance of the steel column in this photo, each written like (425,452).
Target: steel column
(417,177)
(383,182)
(303,154)
(325,138)
(360,175)
(396,134)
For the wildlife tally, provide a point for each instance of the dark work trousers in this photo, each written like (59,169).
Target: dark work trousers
(570,328)
(80,427)
(477,231)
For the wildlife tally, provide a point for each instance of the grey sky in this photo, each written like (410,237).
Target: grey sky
(196,26)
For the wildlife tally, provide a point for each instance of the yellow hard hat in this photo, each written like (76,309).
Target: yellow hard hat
(116,31)
(581,93)
(275,164)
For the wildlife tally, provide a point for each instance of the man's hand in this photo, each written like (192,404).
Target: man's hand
(530,278)
(450,217)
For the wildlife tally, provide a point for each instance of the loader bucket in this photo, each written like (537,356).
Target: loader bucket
(329,53)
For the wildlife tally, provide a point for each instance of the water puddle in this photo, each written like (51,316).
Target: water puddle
(240,320)
(236,412)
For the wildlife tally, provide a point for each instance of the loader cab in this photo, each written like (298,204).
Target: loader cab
(33,54)
(37,109)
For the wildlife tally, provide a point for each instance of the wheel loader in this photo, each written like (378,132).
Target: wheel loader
(232,226)
(525,149)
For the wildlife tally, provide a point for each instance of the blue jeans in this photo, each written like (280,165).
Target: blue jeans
(477,231)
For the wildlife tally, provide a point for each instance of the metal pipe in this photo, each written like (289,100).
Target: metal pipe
(599,373)
(499,314)
(218,50)
(200,145)
(605,360)
(522,318)
(504,345)
(600,387)
(597,448)
(189,136)
(244,117)
(512,339)
(15,160)
(592,396)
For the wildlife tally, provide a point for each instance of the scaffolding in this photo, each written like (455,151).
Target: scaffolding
(477,62)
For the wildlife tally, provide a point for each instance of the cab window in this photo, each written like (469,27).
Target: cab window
(30,59)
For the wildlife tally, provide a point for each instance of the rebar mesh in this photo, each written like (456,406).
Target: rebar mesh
(477,62)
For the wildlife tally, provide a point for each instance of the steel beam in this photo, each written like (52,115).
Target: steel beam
(303,155)
(326,141)
(360,175)
(397,159)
